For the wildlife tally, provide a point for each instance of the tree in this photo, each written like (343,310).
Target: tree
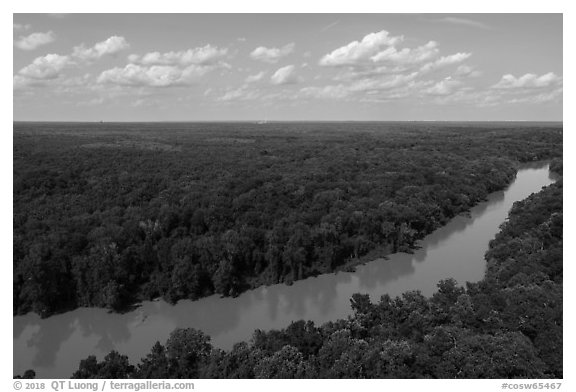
(114,365)
(187,350)
(286,363)
(155,364)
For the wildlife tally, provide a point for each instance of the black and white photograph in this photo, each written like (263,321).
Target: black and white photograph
(286,196)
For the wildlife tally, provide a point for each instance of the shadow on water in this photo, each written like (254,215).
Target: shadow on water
(53,346)
(91,323)
(21,323)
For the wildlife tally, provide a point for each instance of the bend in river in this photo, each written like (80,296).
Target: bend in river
(53,347)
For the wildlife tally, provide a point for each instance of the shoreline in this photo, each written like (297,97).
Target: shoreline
(380,252)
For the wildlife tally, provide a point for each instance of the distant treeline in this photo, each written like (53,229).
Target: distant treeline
(109,215)
(509,325)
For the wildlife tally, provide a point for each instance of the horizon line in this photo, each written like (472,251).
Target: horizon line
(280,121)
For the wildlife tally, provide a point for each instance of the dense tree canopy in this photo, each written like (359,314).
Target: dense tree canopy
(509,325)
(111,214)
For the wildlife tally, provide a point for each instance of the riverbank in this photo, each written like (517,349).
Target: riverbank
(507,325)
(110,227)
(54,346)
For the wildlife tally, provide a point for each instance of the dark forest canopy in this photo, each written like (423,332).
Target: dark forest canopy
(108,215)
(509,325)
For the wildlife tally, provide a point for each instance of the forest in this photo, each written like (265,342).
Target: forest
(108,215)
(508,325)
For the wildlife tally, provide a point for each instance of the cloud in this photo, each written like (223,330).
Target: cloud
(529,81)
(153,76)
(111,46)
(204,55)
(510,90)
(466,71)
(240,94)
(329,26)
(540,98)
(383,83)
(34,40)
(445,61)
(285,75)
(21,82)
(444,87)
(493,97)
(464,22)
(326,92)
(255,78)
(271,55)
(21,27)
(407,55)
(526,89)
(360,51)
(51,66)
(46,67)
(378,68)
(378,54)
(250,91)
(169,69)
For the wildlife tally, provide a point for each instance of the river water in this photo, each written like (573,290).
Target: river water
(53,347)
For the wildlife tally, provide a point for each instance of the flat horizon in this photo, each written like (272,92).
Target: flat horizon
(288,121)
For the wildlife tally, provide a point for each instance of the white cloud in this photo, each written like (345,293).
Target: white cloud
(528,80)
(527,89)
(466,71)
(46,67)
(360,51)
(21,27)
(510,90)
(51,66)
(111,46)
(153,76)
(444,87)
(453,59)
(379,69)
(169,69)
(34,40)
(204,55)
(271,55)
(543,97)
(240,94)
(377,60)
(285,75)
(407,55)
(255,78)
(445,61)
(496,97)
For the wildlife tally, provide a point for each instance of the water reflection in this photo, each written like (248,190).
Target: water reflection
(54,346)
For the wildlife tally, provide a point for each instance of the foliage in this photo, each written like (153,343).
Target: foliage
(509,325)
(111,214)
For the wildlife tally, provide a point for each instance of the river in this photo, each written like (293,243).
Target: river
(53,347)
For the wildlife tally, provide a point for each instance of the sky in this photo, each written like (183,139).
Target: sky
(292,67)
